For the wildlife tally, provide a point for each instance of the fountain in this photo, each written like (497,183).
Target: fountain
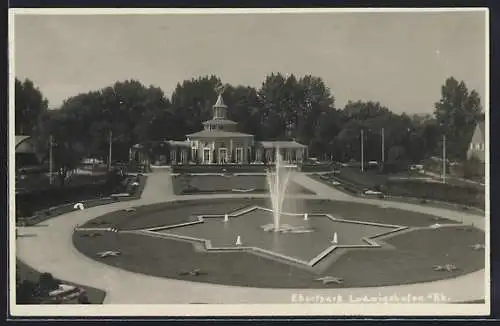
(278,182)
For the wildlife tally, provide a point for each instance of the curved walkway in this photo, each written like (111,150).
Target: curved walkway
(51,250)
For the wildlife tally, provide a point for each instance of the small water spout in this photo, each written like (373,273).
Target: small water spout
(335,238)
(226,218)
(278,184)
(306,217)
(238,241)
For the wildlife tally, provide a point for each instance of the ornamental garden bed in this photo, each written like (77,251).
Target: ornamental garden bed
(454,193)
(36,207)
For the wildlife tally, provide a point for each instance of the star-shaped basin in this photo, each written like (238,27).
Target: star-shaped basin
(217,233)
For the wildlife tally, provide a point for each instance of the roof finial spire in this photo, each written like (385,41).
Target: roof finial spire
(220,88)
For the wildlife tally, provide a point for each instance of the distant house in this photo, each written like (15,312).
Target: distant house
(26,155)
(477,145)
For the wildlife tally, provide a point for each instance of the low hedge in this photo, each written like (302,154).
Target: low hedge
(42,205)
(194,190)
(365,180)
(331,178)
(317,167)
(244,168)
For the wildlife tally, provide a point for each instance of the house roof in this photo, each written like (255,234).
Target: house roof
(20,139)
(479,135)
(482,128)
(218,134)
(179,143)
(219,122)
(170,142)
(220,102)
(282,144)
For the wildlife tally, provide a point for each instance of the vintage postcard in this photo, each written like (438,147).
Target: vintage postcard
(249,162)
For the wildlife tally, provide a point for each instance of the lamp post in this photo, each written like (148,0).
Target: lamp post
(444,158)
(110,140)
(362,151)
(110,148)
(50,159)
(383,146)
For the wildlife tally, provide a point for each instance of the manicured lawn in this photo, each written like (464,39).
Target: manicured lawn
(411,261)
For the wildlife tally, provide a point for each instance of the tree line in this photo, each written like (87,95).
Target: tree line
(284,107)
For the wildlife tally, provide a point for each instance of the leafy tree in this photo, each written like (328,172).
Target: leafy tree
(330,123)
(191,104)
(457,113)
(425,137)
(292,108)
(371,117)
(315,102)
(60,128)
(473,168)
(274,115)
(128,111)
(29,105)
(244,108)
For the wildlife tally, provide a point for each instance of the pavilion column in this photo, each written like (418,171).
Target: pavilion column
(245,151)
(173,157)
(230,153)
(184,156)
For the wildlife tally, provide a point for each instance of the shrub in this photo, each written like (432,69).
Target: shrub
(83,298)
(47,283)
(25,292)
(473,168)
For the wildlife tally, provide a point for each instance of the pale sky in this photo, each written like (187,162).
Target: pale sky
(398,59)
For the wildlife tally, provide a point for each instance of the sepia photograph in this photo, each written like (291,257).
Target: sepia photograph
(249,162)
